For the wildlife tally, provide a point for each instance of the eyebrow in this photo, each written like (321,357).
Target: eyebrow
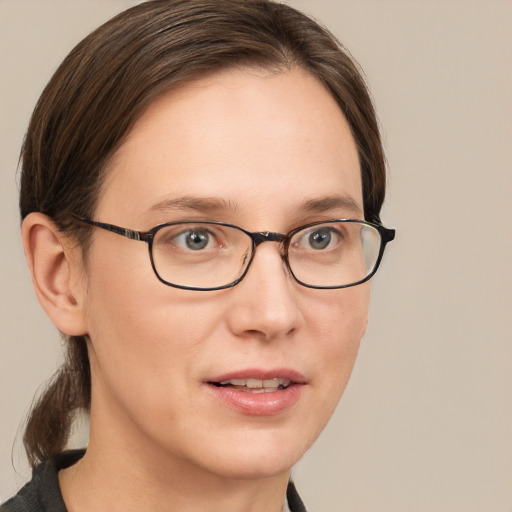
(196,204)
(212,205)
(325,204)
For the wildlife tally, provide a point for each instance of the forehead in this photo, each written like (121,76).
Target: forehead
(252,138)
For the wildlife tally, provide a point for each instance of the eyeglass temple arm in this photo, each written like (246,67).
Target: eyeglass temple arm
(128,233)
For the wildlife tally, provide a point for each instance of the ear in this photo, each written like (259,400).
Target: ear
(56,269)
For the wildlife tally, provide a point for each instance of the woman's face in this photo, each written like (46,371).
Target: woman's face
(267,152)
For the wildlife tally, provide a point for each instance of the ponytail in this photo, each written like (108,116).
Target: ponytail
(51,417)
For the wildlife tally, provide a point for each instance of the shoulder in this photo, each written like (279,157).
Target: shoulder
(42,493)
(27,500)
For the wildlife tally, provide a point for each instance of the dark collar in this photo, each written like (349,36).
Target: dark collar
(295,504)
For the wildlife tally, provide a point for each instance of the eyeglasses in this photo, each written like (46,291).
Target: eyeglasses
(210,255)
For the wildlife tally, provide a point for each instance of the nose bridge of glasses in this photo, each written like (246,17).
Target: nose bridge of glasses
(267,236)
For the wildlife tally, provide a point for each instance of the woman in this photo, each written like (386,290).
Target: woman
(234,143)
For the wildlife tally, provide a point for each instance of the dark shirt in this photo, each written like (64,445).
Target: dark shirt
(42,493)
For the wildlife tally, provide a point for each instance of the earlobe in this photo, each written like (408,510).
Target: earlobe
(54,267)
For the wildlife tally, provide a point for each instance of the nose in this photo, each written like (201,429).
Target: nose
(264,303)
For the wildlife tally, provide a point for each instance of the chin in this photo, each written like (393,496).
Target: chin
(257,467)
(259,456)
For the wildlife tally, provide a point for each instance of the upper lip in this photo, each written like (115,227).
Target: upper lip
(262,374)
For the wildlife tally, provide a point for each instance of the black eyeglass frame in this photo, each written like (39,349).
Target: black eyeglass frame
(257,237)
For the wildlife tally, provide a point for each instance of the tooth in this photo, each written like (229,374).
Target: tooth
(254,383)
(237,382)
(275,383)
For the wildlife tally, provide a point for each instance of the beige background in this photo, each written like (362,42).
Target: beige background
(426,422)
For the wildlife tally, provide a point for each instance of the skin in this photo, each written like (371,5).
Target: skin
(264,143)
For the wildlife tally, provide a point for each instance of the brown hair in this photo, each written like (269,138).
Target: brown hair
(106,83)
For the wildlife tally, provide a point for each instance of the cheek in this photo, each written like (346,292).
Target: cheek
(340,318)
(145,336)
(127,300)
(350,327)
(339,322)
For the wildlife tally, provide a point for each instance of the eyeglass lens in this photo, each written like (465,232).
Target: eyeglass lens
(208,255)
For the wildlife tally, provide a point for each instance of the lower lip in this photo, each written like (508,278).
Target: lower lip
(258,404)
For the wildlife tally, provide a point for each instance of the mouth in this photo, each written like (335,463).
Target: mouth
(258,392)
(254,385)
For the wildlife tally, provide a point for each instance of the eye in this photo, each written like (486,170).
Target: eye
(194,239)
(318,239)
